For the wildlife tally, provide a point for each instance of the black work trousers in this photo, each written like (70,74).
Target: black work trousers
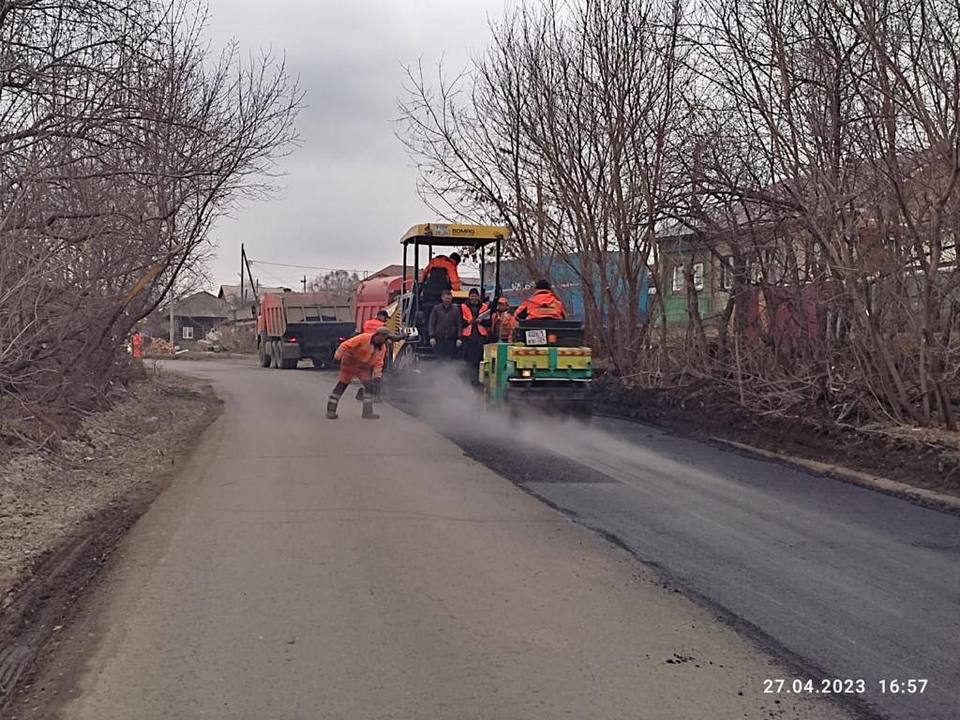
(446,348)
(473,354)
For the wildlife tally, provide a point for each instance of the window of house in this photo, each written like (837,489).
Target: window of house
(187,332)
(726,272)
(677,278)
(698,276)
(775,261)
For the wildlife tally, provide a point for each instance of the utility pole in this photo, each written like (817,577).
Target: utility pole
(304,281)
(243,259)
(254,284)
(172,333)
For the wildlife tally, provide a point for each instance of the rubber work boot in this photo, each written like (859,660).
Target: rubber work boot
(332,407)
(368,413)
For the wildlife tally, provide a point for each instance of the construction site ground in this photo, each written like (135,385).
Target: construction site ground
(305,568)
(445,562)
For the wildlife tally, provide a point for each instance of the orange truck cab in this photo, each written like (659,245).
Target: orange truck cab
(296,326)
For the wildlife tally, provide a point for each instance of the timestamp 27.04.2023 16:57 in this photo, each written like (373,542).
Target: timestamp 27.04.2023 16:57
(843,686)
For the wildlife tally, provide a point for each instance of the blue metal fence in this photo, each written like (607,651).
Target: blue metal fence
(565,278)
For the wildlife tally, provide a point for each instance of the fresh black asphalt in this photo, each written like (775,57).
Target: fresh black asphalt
(841,581)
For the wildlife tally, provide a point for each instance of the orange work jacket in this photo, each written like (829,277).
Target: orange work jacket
(371,325)
(359,352)
(503,325)
(542,304)
(442,261)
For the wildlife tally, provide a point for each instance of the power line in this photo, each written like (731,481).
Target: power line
(309,267)
(275,278)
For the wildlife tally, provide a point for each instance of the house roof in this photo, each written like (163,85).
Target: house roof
(681,244)
(201,304)
(388,271)
(231,293)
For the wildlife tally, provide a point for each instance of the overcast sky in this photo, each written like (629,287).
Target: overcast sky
(350,192)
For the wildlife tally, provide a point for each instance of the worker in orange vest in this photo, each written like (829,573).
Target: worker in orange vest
(441,274)
(542,304)
(360,357)
(502,323)
(474,333)
(371,325)
(136,345)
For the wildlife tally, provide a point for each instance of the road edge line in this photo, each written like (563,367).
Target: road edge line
(922,496)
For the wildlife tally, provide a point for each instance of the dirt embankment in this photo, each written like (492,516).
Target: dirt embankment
(923,458)
(62,514)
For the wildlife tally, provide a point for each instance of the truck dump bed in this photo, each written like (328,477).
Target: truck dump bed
(294,326)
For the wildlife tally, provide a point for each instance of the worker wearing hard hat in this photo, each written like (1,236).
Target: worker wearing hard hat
(542,304)
(360,357)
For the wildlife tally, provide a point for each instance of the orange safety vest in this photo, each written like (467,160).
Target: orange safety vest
(542,304)
(442,261)
(359,352)
(371,325)
(468,323)
(503,325)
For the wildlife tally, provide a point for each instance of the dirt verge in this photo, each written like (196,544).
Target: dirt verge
(61,516)
(922,458)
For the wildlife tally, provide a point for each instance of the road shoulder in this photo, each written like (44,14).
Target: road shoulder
(888,459)
(62,514)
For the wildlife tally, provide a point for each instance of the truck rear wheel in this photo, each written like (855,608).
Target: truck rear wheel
(289,363)
(263,352)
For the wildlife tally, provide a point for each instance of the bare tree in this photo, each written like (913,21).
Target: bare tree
(342,282)
(810,150)
(844,119)
(123,139)
(568,131)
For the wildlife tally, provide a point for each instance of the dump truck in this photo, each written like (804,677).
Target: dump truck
(297,326)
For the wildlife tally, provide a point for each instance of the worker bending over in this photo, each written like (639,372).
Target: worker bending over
(441,274)
(371,326)
(360,357)
(542,304)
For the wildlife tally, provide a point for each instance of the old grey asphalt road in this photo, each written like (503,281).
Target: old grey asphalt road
(300,568)
(856,584)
